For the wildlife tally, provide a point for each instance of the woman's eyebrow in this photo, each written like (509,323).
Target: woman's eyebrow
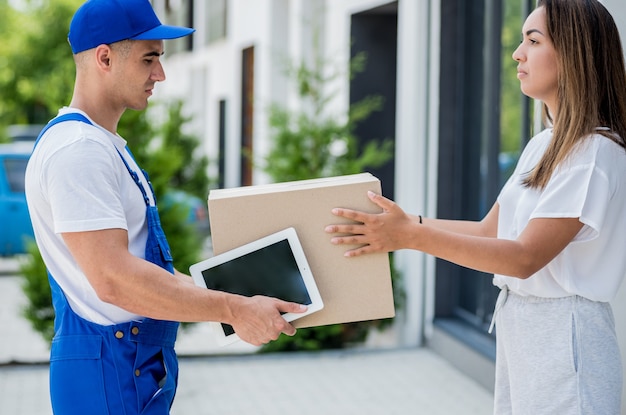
(531,31)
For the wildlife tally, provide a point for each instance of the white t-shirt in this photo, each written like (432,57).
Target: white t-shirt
(75,182)
(590,185)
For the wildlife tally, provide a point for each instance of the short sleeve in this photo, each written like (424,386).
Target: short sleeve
(577,191)
(83,188)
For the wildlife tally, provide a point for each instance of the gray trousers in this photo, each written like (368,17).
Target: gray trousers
(556,356)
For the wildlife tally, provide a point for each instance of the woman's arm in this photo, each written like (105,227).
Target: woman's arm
(469,244)
(487,227)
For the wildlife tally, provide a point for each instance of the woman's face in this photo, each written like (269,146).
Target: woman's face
(537,63)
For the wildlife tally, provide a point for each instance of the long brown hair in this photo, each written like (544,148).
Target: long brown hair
(591,80)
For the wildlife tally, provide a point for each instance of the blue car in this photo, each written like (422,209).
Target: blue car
(15,226)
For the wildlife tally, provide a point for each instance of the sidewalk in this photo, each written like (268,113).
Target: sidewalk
(377,382)
(329,383)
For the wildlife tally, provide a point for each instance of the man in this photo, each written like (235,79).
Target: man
(116,294)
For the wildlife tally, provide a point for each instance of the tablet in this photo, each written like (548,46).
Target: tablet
(274,266)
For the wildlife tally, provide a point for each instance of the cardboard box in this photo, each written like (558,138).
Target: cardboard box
(353,289)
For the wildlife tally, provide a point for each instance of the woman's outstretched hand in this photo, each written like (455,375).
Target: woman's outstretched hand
(387,231)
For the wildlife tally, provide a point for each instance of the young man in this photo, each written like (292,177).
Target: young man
(116,294)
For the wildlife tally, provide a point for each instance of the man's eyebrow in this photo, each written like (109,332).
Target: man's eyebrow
(153,53)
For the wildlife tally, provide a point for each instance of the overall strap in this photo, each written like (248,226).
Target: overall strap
(75,116)
(72,116)
(135,177)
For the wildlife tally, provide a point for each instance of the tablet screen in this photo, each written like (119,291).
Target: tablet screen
(271,271)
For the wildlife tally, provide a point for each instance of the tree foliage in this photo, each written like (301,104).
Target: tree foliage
(36,65)
(312,142)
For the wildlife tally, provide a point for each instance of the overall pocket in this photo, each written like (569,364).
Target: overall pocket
(76,376)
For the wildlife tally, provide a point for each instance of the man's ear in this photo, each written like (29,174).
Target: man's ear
(103,55)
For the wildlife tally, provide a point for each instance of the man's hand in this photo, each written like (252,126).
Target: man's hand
(257,320)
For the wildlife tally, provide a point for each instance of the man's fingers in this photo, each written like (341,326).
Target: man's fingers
(262,322)
(288,307)
(290,330)
(282,325)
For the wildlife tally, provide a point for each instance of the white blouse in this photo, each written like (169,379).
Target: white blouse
(590,185)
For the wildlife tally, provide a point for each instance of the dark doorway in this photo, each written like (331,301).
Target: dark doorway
(221,163)
(375,32)
(247,114)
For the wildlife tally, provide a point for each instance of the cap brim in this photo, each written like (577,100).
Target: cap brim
(164,32)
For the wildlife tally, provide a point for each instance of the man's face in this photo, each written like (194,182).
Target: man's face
(136,73)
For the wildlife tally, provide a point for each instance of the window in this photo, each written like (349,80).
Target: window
(179,13)
(15,169)
(217,13)
(482,132)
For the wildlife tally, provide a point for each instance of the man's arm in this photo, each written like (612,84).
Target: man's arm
(183,277)
(143,288)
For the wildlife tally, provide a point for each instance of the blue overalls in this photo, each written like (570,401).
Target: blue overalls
(123,369)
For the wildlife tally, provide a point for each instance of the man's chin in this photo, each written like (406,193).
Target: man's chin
(138,107)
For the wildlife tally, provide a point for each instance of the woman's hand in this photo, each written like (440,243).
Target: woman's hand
(375,232)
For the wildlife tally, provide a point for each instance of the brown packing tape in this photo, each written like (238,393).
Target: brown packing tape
(353,289)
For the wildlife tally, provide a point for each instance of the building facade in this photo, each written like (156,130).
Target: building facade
(452,106)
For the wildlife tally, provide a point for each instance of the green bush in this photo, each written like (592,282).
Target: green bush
(35,286)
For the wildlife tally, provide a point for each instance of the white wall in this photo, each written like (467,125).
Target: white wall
(416,151)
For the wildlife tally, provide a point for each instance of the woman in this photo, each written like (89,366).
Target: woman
(555,236)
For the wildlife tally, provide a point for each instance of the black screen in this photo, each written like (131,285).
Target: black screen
(270,271)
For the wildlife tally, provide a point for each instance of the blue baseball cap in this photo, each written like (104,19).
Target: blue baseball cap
(99,22)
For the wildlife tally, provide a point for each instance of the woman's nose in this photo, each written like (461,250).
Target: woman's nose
(517,54)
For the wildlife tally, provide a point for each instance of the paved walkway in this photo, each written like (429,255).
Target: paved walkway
(377,382)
